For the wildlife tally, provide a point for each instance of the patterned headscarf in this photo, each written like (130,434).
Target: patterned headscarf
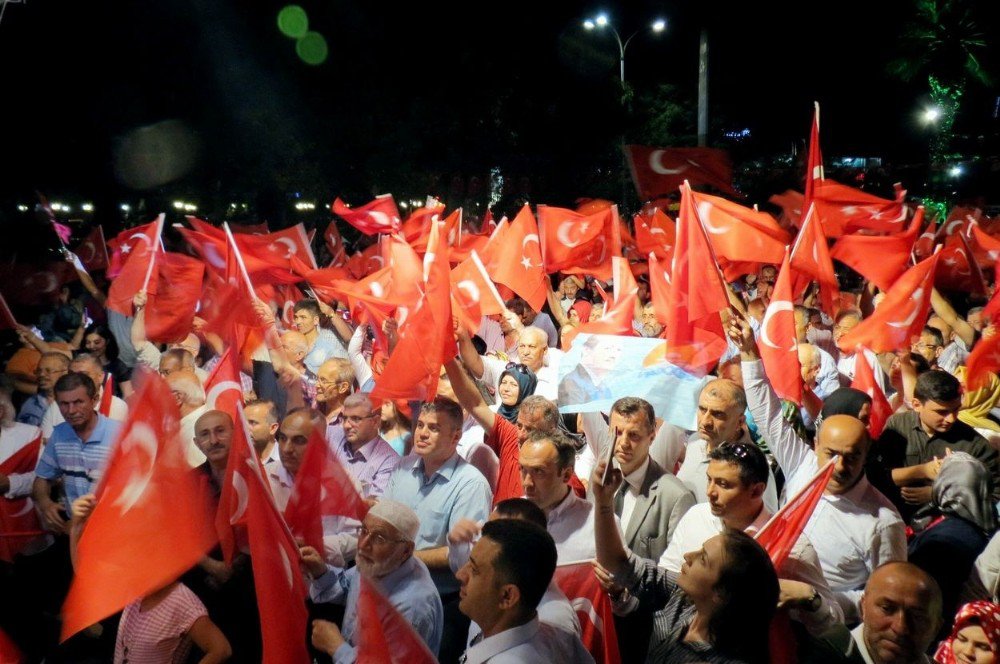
(986,615)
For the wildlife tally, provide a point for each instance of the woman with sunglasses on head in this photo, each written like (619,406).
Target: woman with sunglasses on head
(975,638)
(516,382)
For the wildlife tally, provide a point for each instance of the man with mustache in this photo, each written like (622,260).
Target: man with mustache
(385,557)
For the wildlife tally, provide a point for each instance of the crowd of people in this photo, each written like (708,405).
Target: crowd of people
(478,494)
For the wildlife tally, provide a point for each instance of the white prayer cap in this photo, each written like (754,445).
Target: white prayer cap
(398,515)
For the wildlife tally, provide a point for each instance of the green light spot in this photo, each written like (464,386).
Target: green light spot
(312,49)
(293,22)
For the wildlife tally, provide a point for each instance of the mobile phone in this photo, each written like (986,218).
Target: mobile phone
(611,458)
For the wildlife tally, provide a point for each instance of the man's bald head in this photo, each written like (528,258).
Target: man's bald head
(901,612)
(295,345)
(845,437)
(213,434)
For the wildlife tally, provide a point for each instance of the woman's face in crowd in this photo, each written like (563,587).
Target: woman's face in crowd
(509,390)
(95,344)
(972,647)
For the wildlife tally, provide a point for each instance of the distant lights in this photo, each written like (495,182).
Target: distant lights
(87,207)
(302,206)
(659,25)
(60,207)
(738,134)
(22,208)
(310,46)
(956,170)
(932,114)
(185,206)
(125,207)
(601,20)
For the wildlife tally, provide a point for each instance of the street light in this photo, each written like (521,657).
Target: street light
(932,114)
(601,21)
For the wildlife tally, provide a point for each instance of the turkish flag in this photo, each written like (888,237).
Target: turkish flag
(864,380)
(844,209)
(659,288)
(272,249)
(129,241)
(574,243)
(959,220)
(7,320)
(993,306)
(173,295)
(243,470)
(740,235)
(281,298)
(9,652)
(880,259)
(814,162)
(986,246)
(281,593)
(473,294)
(779,534)
(811,259)
(384,636)
(660,171)
(147,495)
(417,227)
(469,242)
(593,608)
(322,488)
(426,337)
(379,216)
(135,267)
(448,228)
(982,362)
(250,229)
(16,514)
(335,245)
(900,316)
(265,260)
(93,251)
(792,203)
(223,389)
(32,283)
(695,339)
(957,271)
(514,258)
(619,313)
(778,345)
(655,234)
(362,263)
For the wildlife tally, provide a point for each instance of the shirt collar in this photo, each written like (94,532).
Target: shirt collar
(856,494)
(635,478)
(564,505)
(445,471)
(759,522)
(505,640)
(389,583)
(364,452)
(99,433)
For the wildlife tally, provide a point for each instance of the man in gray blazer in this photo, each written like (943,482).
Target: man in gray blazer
(649,503)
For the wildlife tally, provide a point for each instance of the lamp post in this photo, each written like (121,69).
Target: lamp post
(601,22)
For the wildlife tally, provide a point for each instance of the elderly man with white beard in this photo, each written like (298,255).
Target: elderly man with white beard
(385,557)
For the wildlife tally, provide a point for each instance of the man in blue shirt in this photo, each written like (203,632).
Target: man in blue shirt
(50,367)
(385,557)
(76,451)
(442,488)
(323,344)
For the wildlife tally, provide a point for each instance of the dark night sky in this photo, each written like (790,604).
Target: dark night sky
(425,86)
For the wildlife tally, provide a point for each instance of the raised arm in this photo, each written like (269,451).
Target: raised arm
(942,307)
(467,352)
(468,396)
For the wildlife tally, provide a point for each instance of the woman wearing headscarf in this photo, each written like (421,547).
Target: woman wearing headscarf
(977,404)
(516,382)
(975,638)
(956,526)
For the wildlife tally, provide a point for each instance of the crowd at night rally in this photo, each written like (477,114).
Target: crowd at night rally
(705,409)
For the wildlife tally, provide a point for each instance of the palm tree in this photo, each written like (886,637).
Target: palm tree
(946,42)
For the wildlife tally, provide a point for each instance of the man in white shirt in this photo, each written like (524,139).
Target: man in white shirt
(737,473)
(503,582)
(546,465)
(854,528)
(532,351)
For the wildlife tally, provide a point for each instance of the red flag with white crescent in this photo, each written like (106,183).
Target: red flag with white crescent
(864,380)
(384,636)
(93,251)
(473,294)
(899,318)
(814,161)
(574,243)
(660,171)
(378,216)
(593,608)
(893,252)
(655,233)
(148,493)
(811,261)
(778,346)
(514,258)
(19,523)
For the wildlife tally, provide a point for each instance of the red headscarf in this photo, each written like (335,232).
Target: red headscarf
(986,615)
(582,308)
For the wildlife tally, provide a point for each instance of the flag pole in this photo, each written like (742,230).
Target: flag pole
(152,255)
(239,259)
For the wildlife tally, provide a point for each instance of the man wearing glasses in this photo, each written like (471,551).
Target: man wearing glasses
(364,453)
(385,558)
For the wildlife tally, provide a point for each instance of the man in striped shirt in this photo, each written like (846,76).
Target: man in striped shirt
(76,451)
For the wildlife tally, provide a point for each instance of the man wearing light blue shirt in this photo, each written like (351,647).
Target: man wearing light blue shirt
(385,558)
(323,344)
(442,488)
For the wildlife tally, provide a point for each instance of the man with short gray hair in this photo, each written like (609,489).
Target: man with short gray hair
(364,453)
(385,558)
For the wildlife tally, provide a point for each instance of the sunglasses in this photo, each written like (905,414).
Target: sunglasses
(519,368)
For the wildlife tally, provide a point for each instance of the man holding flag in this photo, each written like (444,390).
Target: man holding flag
(854,527)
